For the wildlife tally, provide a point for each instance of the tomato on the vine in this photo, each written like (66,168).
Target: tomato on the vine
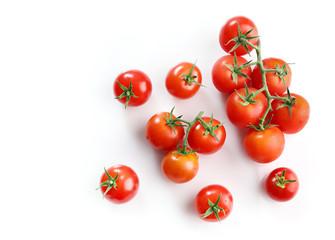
(230,30)
(163,131)
(264,146)
(242,113)
(180,168)
(213,203)
(184,80)
(277,80)
(119,184)
(291,118)
(208,140)
(227,76)
(132,88)
(282,184)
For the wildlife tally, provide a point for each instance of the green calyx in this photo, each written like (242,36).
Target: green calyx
(281,72)
(263,126)
(237,70)
(189,78)
(248,98)
(173,122)
(288,102)
(281,181)
(210,129)
(110,183)
(183,150)
(127,93)
(241,39)
(214,209)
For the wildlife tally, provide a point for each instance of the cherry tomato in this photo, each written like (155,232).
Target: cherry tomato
(132,88)
(119,184)
(299,114)
(160,134)
(274,80)
(201,139)
(242,116)
(282,184)
(230,31)
(180,168)
(222,76)
(264,146)
(213,203)
(184,80)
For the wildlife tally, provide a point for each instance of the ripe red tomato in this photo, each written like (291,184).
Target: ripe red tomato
(222,76)
(242,116)
(213,203)
(282,184)
(201,139)
(274,80)
(180,168)
(264,146)
(119,184)
(160,134)
(132,88)
(230,31)
(184,80)
(299,114)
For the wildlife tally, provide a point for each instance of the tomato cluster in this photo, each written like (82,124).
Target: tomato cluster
(259,101)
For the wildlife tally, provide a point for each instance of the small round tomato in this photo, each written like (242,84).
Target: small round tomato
(163,132)
(208,139)
(184,80)
(277,81)
(213,203)
(227,77)
(230,30)
(294,122)
(264,146)
(242,114)
(119,184)
(180,168)
(132,88)
(282,184)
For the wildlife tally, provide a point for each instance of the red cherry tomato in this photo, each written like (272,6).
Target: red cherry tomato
(282,184)
(119,184)
(222,76)
(299,114)
(230,31)
(242,116)
(213,203)
(264,146)
(132,88)
(183,81)
(161,135)
(274,82)
(201,139)
(180,168)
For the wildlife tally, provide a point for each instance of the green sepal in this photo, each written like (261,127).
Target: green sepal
(241,39)
(281,181)
(290,101)
(210,129)
(173,122)
(127,92)
(184,151)
(213,209)
(189,78)
(237,70)
(110,183)
(248,97)
(262,127)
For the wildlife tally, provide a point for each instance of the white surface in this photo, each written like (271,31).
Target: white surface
(60,125)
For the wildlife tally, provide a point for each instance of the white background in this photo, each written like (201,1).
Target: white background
(60,125)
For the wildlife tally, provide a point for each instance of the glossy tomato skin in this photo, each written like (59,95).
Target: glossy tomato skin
(281,194)
(160,135)
(242,116)
(212,192)
(141,87)
(127,184)
(273,81)
(180,168)
(230,31)
(264,146)
(222,76)
(206,144)
(177,86)
(299,114)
